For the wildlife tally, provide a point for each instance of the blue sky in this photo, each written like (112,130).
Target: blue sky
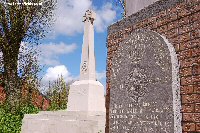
(61,49)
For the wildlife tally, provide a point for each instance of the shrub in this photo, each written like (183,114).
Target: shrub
(12,122)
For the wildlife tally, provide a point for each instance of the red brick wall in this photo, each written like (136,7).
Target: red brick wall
(181,26)
(38,100)
(46,104)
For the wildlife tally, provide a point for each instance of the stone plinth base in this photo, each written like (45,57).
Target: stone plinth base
(86,95)
(64,122)
(85,113)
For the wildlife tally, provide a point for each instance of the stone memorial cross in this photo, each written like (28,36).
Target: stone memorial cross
(87,94)
(87,68)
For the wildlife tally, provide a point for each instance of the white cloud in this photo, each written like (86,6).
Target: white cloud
(70,12)
(69,16)
(51,51)
(105,16)
(100,75)
(52,74)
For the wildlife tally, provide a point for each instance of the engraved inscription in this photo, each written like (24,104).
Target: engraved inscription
(141,98)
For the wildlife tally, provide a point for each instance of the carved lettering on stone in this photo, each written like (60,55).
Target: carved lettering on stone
(141,94)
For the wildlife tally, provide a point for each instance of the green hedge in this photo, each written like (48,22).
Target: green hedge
(12,122)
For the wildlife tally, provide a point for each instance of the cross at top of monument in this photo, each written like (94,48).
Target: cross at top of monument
(89,16)
(87,68)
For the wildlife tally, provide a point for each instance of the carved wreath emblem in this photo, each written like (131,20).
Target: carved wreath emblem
(84,66)
(135,83)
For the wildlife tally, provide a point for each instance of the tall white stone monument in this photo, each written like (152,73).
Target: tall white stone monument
(86,103)
(87,94)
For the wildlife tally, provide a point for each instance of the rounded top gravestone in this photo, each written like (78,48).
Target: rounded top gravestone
(144,94)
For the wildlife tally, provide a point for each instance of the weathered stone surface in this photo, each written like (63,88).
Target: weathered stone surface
(86,95)
(144,93)
(64,122)
(133,6)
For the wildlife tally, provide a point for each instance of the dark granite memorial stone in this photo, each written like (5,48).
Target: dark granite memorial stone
(143,96)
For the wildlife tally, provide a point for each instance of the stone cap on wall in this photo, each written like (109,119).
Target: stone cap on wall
(149,11)
(133,6)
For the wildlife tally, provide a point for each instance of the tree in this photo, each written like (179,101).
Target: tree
(19,23)
(58,94)
(28,70)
